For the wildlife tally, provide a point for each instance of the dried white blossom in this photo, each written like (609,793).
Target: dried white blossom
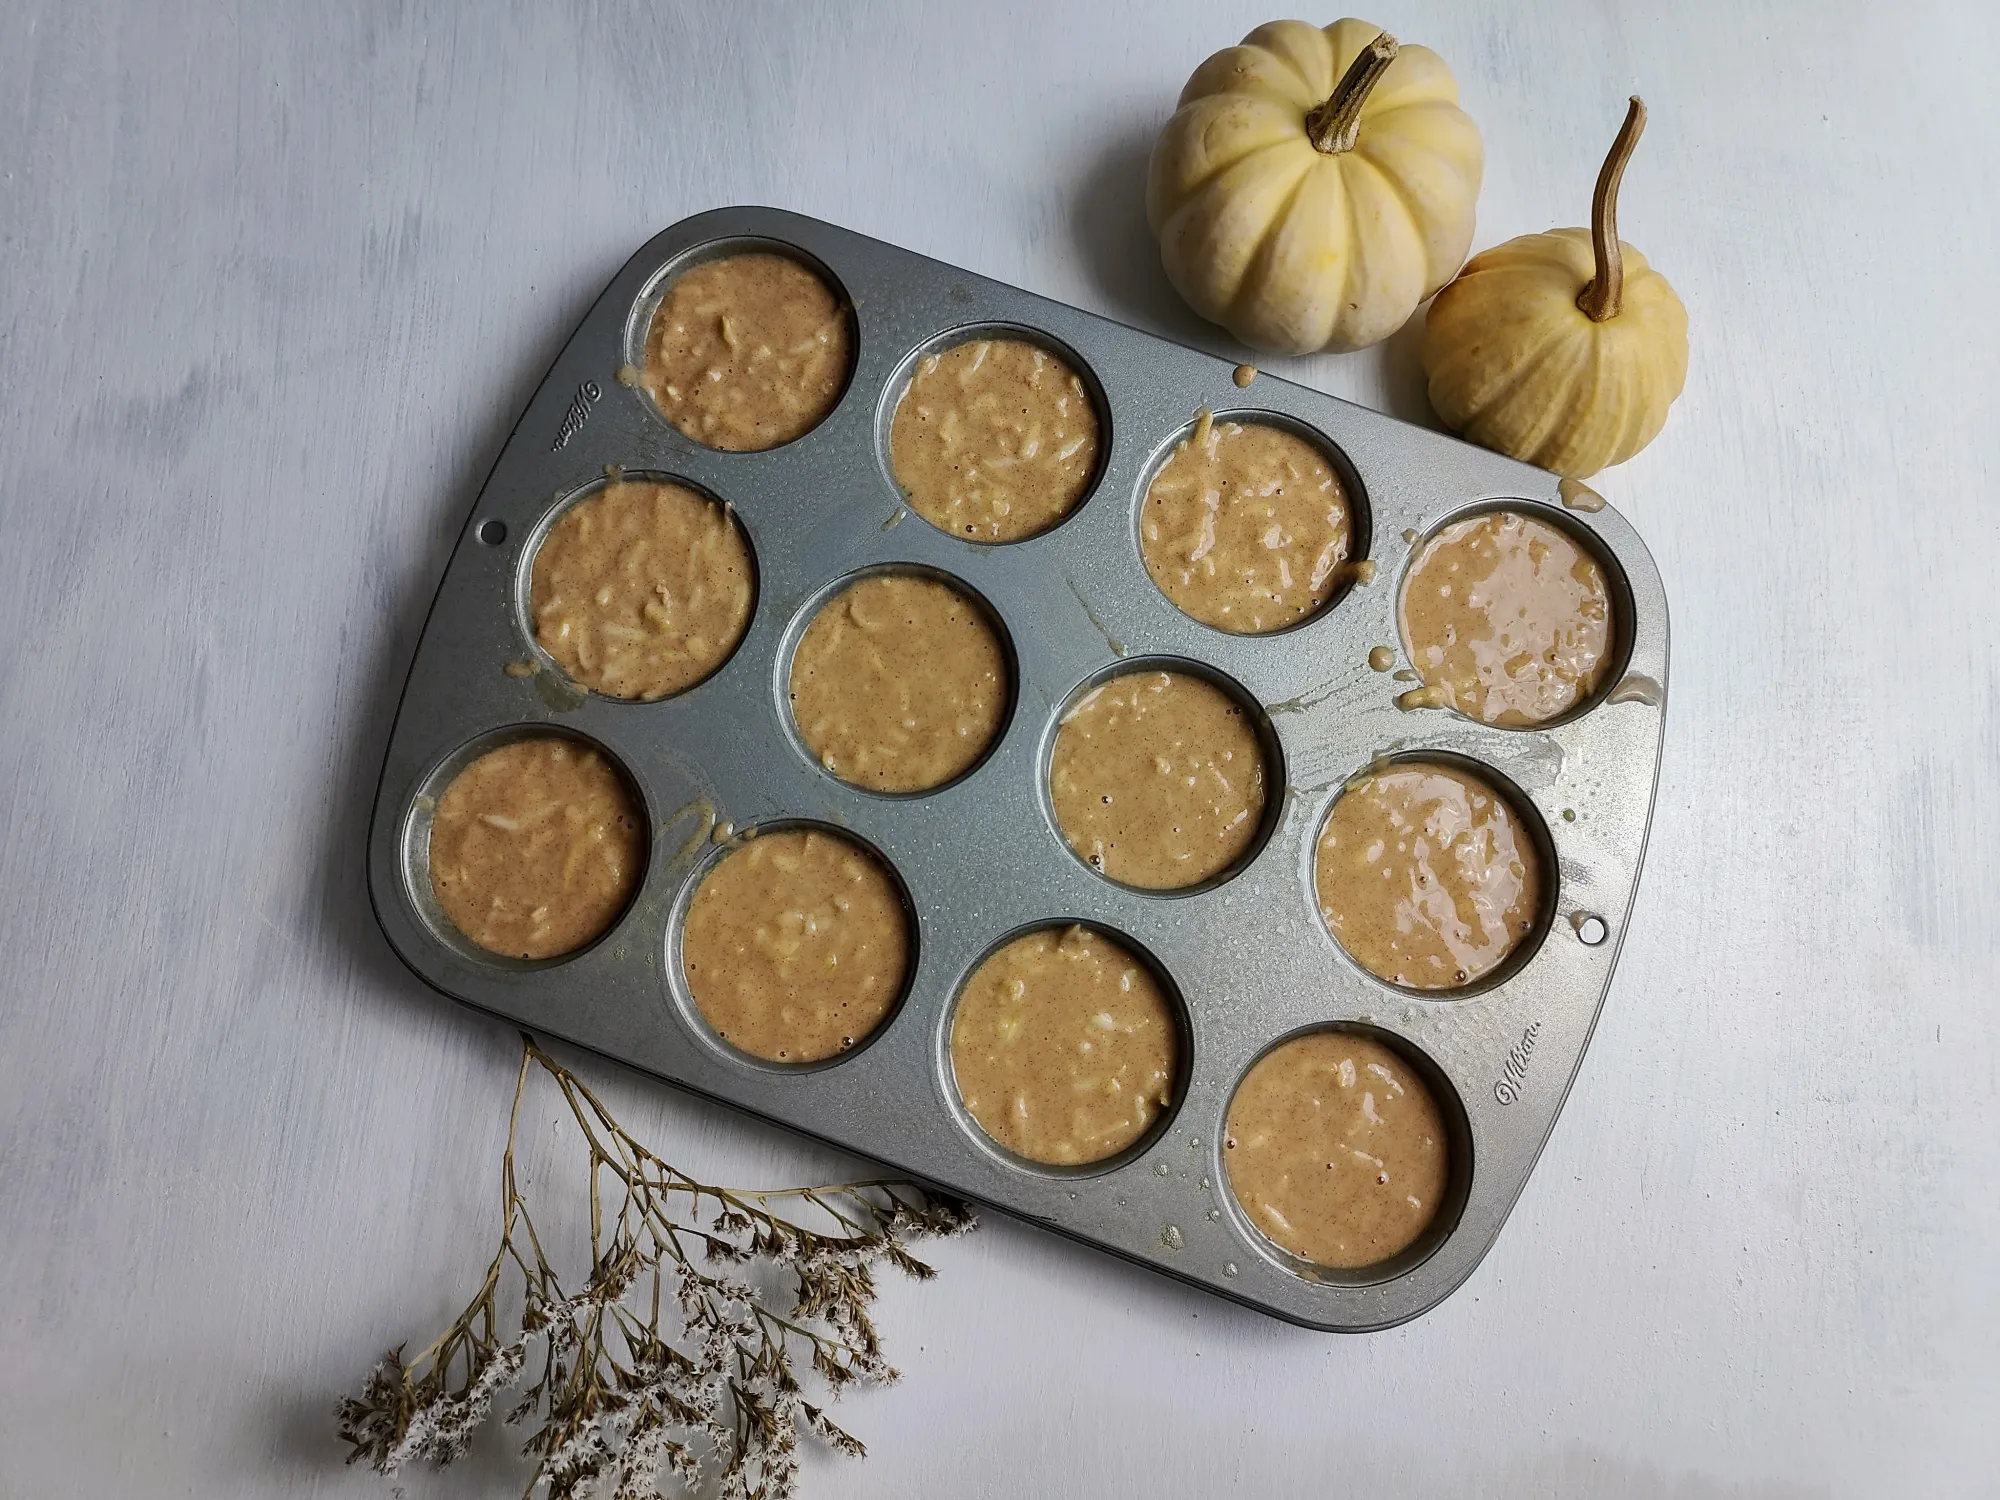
(623,1400)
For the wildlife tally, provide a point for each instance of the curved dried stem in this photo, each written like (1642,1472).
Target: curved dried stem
(1603,296)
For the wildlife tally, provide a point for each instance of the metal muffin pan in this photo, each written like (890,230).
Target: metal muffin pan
(1248,956)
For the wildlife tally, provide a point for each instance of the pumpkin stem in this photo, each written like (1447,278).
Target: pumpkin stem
(1603,296)
(1336,124)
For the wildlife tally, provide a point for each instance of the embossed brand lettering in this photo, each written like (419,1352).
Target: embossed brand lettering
(1508,1087)
(577,415)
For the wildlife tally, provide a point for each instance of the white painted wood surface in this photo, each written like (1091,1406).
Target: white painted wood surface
(274,283)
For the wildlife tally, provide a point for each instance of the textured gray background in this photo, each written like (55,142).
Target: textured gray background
(273,286)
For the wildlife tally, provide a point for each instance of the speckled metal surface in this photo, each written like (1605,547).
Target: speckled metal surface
(1248,956)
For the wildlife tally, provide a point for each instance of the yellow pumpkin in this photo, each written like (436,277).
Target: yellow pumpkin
(1314,186)
(1563,349)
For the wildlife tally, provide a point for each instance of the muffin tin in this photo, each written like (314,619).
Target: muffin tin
(1247,956)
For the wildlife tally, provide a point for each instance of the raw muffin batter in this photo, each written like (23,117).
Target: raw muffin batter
(1507,619)
(642,590)
(1426,875)
(1158,779)
(796,945)
(1246,527)
(748,352)
(1336,1150)
(536,847)
(899,684)
(1064,1047)
(995,440)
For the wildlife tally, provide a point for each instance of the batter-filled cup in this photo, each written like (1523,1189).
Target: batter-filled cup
(899,684)
(1427,875)
(1246,527)
(1065,1047)
(747,352)
(537,847)
(1336,1150)
(1158,780)
(1507,619)
(796,945)
(994,440)
(642,590)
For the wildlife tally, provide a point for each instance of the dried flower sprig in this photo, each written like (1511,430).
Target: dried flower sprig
(667,1362)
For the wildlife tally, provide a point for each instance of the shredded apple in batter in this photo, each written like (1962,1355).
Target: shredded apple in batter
(1507,620)
(1158,780)
(899,684)
(1426,875)
(1336,1150)
(995,440)
(1064,1046)
(796,945)
(1246,527)
(748,352)
(536,847)
(642,589)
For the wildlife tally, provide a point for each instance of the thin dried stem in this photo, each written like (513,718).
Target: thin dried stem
(1603,296)
(656,1370)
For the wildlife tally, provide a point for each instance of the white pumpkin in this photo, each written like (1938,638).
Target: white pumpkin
(1315,186)
(1563,349)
